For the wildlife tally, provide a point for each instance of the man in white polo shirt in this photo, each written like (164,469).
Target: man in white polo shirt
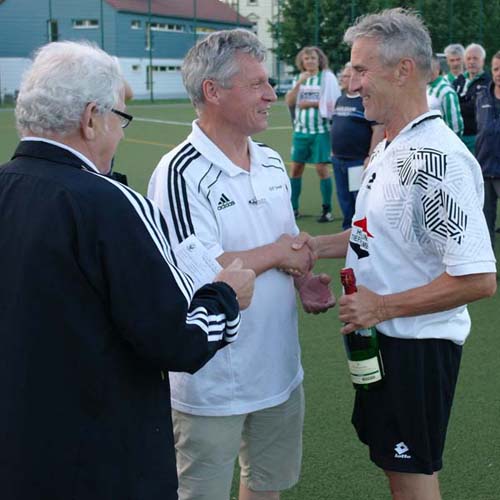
(233,194)
(420,249)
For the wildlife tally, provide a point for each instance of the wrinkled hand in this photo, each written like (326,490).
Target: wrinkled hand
(296,262)
(315,293)
(242,281)
(362,309)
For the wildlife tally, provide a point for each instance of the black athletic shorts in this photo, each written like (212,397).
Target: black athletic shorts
(404,421)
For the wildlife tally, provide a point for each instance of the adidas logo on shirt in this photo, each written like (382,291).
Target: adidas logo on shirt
(224,202)
(401,450)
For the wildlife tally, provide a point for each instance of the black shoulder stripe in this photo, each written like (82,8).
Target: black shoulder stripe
(150,216)
(204,175)
(178,199)
(274,166)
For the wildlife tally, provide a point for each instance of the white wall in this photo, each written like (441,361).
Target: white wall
(166,85)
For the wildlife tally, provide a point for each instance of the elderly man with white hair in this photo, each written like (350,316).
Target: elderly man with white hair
(468,86)
(94,310)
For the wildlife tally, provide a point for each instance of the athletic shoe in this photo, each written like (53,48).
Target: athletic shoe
(326,216)
(297,214)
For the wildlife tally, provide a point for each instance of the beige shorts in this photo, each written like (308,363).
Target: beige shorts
(268,443)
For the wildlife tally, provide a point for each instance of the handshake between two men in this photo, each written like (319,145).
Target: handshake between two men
(293,255)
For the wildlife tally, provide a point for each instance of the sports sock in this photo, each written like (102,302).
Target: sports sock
(325,186)
(296,183)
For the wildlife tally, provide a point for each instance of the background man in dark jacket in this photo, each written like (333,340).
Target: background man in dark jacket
(93,309)
(488,144)
(468,86)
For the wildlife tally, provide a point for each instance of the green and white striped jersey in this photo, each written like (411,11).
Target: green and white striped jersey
(442,97)
(450,77)
(309,121)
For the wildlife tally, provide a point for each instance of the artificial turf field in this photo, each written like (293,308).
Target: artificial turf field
(335,464)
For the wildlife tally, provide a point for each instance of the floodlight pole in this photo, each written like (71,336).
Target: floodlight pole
(151,93)
(102,25)
(278,51)
(49,24)
(481,13)
(195,22)
(316,23)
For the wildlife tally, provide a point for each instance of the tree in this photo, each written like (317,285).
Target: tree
(323,23)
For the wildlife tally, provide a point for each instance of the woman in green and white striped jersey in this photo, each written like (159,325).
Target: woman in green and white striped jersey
(311,136)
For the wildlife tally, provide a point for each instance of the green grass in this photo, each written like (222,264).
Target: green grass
(336,465)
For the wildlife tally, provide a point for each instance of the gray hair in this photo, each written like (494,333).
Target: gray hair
(214,59)
(63,79)
(454,49)
(400,33)
(476,46)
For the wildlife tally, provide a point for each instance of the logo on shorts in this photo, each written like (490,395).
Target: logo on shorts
(401,450)
(224,202)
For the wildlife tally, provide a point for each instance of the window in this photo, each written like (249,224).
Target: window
(167,27)
(135,24)
(254,19)
(85,23)
(165,69)
(203,30)
(135,67)
(52,30)
(252,2)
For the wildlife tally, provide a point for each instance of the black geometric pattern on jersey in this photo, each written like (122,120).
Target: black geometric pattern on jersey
(177,191)
(441,215)
(422,166)
(453,226)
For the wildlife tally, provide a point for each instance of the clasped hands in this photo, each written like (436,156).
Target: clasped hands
(298,260)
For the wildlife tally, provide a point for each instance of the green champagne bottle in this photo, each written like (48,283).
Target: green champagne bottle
(362,347)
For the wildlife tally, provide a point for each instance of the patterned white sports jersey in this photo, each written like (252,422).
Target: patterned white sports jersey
(418,215)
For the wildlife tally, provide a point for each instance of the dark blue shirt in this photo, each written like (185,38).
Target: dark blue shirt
(351,132)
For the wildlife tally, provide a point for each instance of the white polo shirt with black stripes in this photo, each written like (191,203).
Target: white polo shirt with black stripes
(200,191)
(418,215)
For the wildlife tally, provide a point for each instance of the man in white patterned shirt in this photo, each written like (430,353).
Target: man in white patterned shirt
(420,250)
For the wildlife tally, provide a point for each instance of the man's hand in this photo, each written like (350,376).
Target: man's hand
(305,239)
(362,309)
(315,293)
(241,280)
(296,262)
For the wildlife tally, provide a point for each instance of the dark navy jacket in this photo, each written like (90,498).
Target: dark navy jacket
(488,133)
(92,309)
(467,99)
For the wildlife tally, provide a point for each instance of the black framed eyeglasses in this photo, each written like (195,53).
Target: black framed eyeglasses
(125,118)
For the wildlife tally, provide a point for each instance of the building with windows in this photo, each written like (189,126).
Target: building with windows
(150,37)
(260,13)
